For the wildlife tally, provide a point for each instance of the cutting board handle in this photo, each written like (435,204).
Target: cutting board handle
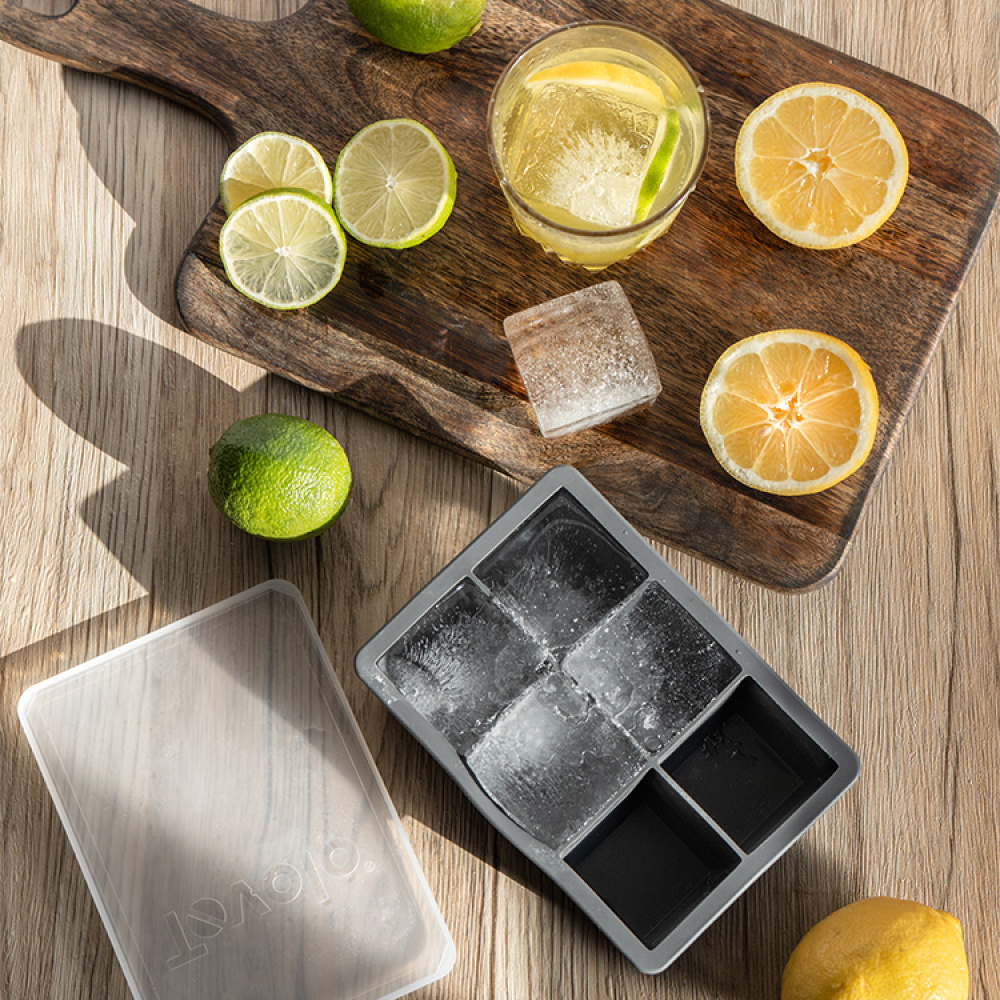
(187,52)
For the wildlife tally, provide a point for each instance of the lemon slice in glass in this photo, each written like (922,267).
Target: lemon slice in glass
(283,249)
(394,184)
(609,77)
(271,160)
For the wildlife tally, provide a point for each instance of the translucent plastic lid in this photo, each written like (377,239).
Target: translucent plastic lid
(228,817)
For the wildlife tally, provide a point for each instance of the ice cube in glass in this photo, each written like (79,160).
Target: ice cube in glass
(583,359)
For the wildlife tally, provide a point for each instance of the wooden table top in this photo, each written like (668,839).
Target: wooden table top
(109,409)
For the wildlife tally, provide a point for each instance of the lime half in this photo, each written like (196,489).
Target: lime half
(272,160)
(394,184)
(283,249)
(657,168)
(279,477)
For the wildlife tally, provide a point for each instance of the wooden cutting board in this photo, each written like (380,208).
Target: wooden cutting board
(416,337)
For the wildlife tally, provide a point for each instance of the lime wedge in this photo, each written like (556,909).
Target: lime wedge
(283,249)
(658,164)
(272,160)
(394,184)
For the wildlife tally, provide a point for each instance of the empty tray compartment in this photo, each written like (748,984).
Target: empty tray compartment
(652,860)
(560,572)
(749,765)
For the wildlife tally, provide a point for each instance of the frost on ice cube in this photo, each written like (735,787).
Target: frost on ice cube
(462,663)
(560,573)
(583,359)
(652,667)
(554,760)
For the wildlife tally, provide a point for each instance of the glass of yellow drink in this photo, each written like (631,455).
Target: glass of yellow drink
(598,133)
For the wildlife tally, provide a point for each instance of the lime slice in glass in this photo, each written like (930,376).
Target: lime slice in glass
(657,168)
(271,160)
(283,249)
(394,184)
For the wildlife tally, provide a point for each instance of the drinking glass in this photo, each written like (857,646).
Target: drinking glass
(598,132)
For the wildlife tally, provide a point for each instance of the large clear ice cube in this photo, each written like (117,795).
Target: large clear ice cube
(652,667)
(585,152)
(553,761)
(583,359)
(462,663)
(560,573)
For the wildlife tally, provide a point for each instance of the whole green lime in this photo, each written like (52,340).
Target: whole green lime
(419,25)
(279,477)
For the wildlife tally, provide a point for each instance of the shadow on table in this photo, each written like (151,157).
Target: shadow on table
(167,193)
(744,952)
(179,189)
(156,414)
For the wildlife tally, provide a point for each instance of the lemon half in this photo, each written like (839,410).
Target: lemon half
(790,411)
(821,165)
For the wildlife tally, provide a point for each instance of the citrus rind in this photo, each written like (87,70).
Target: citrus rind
(420,26)
(877,948)
(657,168)
(279,477)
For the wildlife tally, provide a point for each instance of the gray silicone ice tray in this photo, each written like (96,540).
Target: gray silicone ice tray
(605,719)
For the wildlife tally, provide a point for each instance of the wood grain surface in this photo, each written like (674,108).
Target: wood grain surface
(109,409)
(417,337)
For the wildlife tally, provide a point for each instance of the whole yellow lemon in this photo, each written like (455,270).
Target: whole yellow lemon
(880,949)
